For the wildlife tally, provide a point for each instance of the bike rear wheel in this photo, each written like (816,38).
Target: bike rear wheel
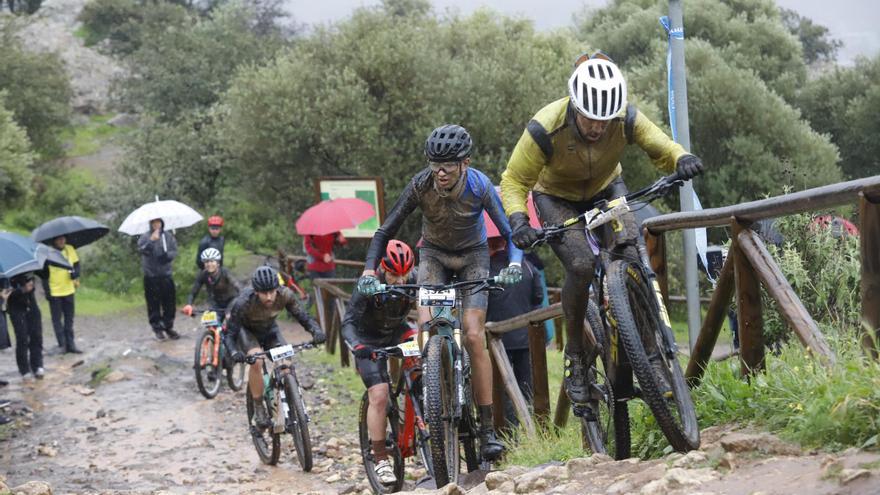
(394,455)
(439,382)
(608,430)
(298,422)
(208,375)
(267,443)
(634,307)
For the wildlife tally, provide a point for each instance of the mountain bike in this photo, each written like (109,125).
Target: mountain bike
(450,409)
(211,357)
(283,400)
(632,335)
(405,435)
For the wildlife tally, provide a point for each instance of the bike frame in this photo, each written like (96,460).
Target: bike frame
(272,381)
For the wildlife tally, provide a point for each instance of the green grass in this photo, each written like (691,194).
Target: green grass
(95,302)
(82,33)
(343,385)
(87,139)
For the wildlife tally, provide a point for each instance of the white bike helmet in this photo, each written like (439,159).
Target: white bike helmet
(597,89)
(211,254)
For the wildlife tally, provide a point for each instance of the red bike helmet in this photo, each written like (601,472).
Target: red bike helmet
(215,220)
(398,258)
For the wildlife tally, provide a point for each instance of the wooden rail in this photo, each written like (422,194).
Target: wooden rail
(752,266)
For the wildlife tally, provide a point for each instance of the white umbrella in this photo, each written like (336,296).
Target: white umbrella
(175,214)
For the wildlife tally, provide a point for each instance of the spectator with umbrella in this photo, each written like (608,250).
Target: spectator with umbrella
(65,234)
(20,257)
(320,227)
(158,248)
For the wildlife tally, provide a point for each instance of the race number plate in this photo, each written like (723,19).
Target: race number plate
(281,352)
(444,298)
(209,316)
(410,348)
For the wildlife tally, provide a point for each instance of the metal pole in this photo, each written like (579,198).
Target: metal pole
(679,99)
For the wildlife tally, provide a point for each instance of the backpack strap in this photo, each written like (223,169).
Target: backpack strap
(541,137)
(629,123)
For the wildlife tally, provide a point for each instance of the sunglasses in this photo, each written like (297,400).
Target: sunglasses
(447,168)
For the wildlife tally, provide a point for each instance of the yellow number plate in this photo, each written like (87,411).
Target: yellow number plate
(209,316)
(410,348)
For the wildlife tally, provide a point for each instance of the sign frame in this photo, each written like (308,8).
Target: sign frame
(380,197)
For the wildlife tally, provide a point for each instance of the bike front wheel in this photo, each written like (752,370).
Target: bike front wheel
(634,306)
(439,383)
(298,422)
(394,454)
(235,374)
(208,374)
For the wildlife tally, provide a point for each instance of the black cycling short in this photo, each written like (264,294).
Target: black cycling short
(265,340)
(376,372)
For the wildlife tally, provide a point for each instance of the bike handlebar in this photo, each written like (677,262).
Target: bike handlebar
(252,358)
(490,283)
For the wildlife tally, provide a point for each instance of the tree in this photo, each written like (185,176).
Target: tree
(842,103)
(743,65)
(360,97)
(818,45)
(38,92)
(16,160)
(187,67)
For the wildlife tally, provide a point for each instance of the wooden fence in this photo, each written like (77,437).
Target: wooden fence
(747,267)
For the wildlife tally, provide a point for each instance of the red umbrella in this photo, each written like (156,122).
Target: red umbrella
(333,215)
(492,230)
(838,225)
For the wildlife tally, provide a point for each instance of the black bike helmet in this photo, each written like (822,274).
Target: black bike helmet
(448,143)
(265,279)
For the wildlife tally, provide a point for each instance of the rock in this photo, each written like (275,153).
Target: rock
(728,461)
(619,487)
(334,443)
(765,443)
(677,478)
(123,120)
(507,487)
(114,376)
(333,478)
(33,488)
(348,489)
(84,390)
(582,464)
(497,478)
(540,480)
(47,451)
(451,489)
(847,476)
(691,459)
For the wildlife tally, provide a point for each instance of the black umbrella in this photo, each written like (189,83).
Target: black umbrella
(79,231)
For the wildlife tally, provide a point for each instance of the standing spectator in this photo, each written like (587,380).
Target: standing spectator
(158,250)
(212,240)
(321,263)
(28,326)
(513,301)
(5,290)
(60,286)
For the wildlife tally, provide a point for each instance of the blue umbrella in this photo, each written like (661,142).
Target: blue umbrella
(18,255)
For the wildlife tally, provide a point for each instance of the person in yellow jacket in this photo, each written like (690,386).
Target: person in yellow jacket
(569,155)
(60,289)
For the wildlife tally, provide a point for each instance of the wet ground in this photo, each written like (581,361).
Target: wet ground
(145,427)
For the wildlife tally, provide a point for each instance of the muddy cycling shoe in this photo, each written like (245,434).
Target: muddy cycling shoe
(261,417)
(385,472)
(172,334)
(575,381)
(490,448)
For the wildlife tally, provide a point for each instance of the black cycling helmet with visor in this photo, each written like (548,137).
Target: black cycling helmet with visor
(448,143)
(265,279)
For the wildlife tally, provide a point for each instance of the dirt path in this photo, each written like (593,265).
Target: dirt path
(150,430)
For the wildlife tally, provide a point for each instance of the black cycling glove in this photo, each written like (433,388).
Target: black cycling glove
(688,166)
(362,351)
(523,233)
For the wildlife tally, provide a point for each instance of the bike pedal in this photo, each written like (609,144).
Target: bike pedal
(585,412)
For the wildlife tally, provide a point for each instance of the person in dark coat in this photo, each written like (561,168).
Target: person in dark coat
(515,300)
(158,250)
(28,326)
(214,239)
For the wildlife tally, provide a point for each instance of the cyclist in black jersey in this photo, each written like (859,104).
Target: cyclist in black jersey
(222,288)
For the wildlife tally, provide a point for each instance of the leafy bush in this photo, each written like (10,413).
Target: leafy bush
(102,19)
(63,192)
(37,91)
(16,160)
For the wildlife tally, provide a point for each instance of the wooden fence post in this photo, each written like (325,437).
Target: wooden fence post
(497,395)
(656,246)
(748,308)
(509,381)
(869,238)
(538,359)
(563,405)
(788,302)
(708,336)
(343,348)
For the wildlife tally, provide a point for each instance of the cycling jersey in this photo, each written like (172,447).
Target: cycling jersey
(377,319)
(551,157)
(449,223)
(222,288)
(249,313)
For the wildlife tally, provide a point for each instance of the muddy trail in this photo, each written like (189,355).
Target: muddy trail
(146,428)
